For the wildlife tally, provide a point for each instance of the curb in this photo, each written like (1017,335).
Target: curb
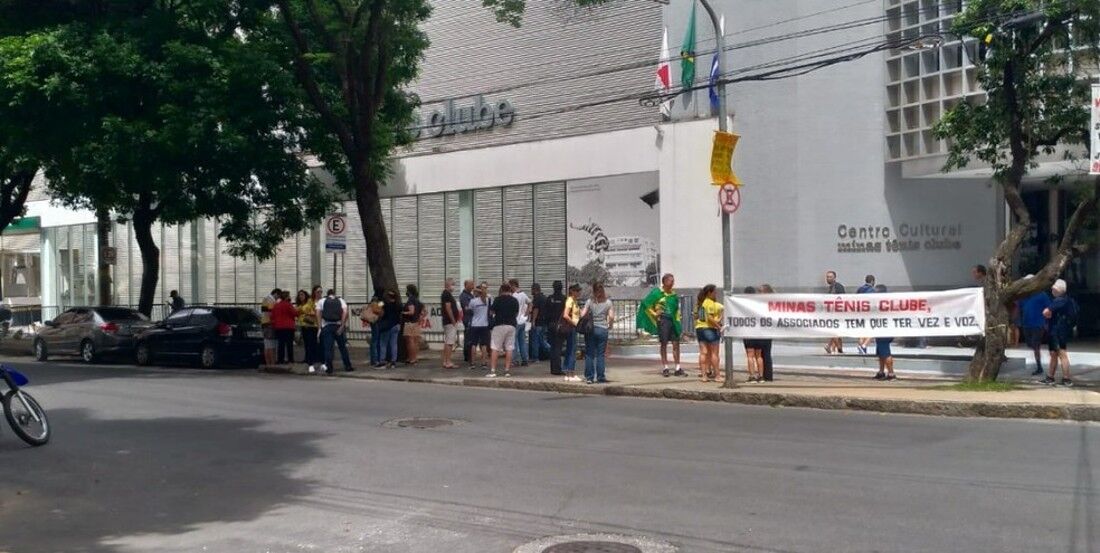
(940,408)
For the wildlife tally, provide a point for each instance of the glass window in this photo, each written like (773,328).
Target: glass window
(120,314)
(238,316)
(202,316)
(178,318)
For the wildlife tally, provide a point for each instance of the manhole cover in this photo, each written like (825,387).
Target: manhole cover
(596,543)
(421,423)
(592,547)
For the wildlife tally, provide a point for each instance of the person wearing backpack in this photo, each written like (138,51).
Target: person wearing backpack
(1061,318)
(333,314)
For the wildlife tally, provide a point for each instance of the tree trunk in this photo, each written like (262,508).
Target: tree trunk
(150,261)
(103,241)
(989,355)
(379,257)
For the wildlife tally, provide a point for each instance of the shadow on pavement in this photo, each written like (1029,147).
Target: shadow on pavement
(51,372)
(100,480)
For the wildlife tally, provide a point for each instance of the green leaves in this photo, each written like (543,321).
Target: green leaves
(1036,93)
(160,106)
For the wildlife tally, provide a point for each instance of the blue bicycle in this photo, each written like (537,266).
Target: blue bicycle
(24,414)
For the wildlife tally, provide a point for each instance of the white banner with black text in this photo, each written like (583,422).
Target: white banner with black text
(880,315)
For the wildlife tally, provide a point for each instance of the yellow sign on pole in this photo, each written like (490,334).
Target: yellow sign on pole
(721,159)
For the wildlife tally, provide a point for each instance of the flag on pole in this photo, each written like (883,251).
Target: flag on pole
(664,75)
(687,54)
(713,88)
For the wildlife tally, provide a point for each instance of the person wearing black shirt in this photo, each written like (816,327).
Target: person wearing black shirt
(552,309)
(389,324)
(539,346)
(505,308)
(464,301)
(410,324)
(450,313)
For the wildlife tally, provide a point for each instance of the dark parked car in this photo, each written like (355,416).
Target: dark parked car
(212,336)
(90,332)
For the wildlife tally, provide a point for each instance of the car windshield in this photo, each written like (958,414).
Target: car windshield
(237,316)
(117,314)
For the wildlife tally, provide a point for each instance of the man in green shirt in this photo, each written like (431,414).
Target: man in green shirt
(659,313)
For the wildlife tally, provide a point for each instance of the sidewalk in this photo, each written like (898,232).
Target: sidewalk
(837,382)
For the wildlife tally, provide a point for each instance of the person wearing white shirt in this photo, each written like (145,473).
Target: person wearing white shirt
(521,321)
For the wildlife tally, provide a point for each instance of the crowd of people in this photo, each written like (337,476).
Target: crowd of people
(506,327)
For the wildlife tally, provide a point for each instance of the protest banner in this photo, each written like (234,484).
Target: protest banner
(887,315)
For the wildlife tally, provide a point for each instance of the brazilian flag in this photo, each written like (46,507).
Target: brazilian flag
(687,54)
(651,308)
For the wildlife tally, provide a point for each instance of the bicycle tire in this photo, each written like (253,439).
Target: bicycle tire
(7,400)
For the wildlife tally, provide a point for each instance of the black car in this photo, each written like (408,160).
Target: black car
(212,336)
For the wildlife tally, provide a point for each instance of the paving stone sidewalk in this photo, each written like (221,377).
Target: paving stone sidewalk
(831,388)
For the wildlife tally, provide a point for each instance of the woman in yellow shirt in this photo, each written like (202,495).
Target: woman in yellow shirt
(307,325)
(570,315)
(708,330)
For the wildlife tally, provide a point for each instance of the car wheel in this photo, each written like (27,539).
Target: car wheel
(208,357)
(40,350)
(142,354)
(87,351)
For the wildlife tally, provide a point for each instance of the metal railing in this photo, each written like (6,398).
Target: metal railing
(623,330)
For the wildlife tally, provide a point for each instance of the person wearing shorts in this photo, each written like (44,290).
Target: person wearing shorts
(479,327)
(1062,315)
(882,351)
(1034,324)
(505,310)
(708,325)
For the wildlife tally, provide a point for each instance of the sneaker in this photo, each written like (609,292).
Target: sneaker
(323,369)
(880,376)
(349,369)
(491,375)
(589,381)
(665,372)
(507,374)
(311,370)
(751,380)
(1037,372)
(680,372)
(1067,383)
(602,381)
(1047,380)
(523,364)
(891,377)
(391,366)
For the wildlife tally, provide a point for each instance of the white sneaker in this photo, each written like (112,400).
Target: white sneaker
(323,369)
(491,375)
(311,370)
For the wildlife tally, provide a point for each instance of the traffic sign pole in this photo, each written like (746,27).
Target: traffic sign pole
(727,253)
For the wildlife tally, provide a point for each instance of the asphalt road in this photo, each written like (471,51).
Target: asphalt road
(179,460)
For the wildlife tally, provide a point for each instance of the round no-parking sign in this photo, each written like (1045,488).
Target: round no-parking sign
(729,197)
(336,232)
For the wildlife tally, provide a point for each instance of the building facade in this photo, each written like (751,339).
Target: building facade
(538,159)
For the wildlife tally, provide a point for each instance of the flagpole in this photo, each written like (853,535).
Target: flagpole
(723,123)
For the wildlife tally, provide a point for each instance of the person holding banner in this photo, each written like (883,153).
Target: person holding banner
(708,331)
(766,345)
(659,313)
(834,345)
(754,354)
(882,351)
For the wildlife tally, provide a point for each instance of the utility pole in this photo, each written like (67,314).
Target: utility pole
(723,124)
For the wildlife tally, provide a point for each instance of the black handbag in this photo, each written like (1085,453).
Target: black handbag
(585,325)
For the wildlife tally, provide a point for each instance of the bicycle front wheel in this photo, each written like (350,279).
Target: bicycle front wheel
(26,417)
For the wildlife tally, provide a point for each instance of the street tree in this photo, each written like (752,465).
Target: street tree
(353,61)
(1036,58)
(160,112)
(16,176)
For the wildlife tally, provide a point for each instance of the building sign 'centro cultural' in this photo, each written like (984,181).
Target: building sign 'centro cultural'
(903,238)
(450,120)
